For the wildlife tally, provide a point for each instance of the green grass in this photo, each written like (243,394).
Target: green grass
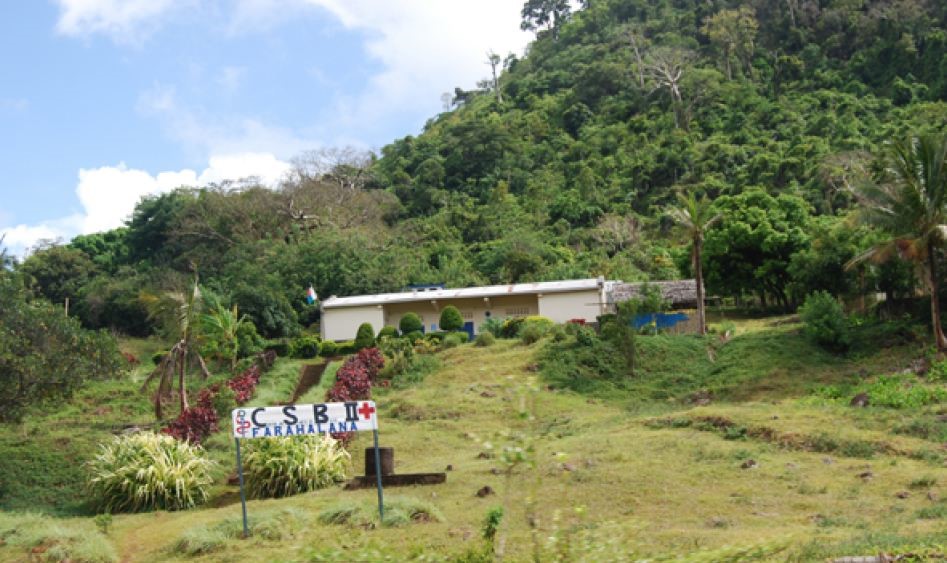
(581,473)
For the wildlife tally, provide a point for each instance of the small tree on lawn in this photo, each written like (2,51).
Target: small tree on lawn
(451,319)
(181,312)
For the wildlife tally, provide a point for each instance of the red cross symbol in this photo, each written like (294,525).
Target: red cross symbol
(366,411)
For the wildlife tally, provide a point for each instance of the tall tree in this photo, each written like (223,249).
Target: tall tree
(694,216)
(908,203)
(494,61)
(733,32)
(550,14)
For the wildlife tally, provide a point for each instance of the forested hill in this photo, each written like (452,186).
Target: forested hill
(563,166)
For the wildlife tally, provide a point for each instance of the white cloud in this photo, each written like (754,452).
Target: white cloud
(108,194)
(204,134)
(427,48)
(125,21)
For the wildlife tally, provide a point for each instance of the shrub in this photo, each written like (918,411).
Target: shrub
(437,337)
(825,322)
(365,337)
(245,384)
(345,348)
(451,319)
(388,331)
(288,466)
(492,325)
(146,471)
(279,346)
(352,382)
(249,341)
(195,423)
(485,339)
(305,347)
(453,340)
(531,334)
(414,336)
(372,360)
(329,349)
(409,323)
(544,323)
(461,334)
(511,327)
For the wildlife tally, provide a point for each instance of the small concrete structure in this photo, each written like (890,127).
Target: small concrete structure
(560,301)
(388,476)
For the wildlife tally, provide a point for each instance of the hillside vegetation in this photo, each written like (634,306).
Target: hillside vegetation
(563,168)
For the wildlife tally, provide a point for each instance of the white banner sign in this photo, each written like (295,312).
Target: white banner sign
(295,420)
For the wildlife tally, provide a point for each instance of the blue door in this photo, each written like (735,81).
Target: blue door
(469,329)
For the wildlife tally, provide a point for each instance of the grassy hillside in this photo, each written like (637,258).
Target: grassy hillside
(774,466)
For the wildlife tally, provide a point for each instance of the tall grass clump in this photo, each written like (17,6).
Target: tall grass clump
(50,539)
(289,466)
(146,471)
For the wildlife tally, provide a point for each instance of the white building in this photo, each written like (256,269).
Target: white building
(557,300)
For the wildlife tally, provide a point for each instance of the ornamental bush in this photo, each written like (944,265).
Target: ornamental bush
(287,466)
(388,331)
(411,322)
(196,423)
(147,471)
(365,337)
(245,384)
(305,347)
(329,349)
(825,321)
(451,319)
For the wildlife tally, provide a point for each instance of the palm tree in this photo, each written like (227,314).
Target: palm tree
(908,203)
(223,325)
(694,216)
(180,309)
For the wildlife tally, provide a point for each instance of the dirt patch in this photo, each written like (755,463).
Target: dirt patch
(309,376)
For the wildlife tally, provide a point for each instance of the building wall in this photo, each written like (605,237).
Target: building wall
(562,307)
(472,310)
(342,323)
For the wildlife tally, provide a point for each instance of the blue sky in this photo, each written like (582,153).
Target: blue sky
(104,101)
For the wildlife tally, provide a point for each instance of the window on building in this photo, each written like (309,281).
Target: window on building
(517,312)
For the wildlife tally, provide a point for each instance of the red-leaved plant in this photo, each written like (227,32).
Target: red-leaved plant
(244,384)
(353,381)
(196,423)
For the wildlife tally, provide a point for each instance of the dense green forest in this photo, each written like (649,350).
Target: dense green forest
(563,164)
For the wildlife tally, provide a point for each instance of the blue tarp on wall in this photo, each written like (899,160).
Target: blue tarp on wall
(661,320)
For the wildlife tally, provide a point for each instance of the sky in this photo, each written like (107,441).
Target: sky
(103,102)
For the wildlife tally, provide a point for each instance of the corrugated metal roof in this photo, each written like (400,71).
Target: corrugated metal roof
(466,292)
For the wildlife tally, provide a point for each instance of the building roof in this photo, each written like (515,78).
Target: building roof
(681,293)
(466,293)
